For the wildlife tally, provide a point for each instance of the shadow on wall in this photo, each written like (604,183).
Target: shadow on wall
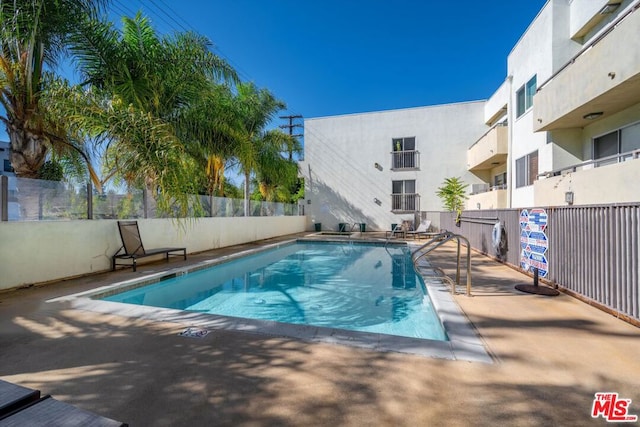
(331,209)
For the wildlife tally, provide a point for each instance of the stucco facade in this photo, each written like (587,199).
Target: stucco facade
(352,162)
(568,113)
(584,111)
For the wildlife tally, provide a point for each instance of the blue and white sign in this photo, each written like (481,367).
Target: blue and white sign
(524,218)
(524,239)
(538,261)
(537,220)
(533,240)
(537,242)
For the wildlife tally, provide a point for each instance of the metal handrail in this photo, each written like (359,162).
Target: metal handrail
(351,232)
(398,227)
(443,238)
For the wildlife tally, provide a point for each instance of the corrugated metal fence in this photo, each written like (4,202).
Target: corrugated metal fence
(593,250)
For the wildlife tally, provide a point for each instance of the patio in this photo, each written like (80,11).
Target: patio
(551,356)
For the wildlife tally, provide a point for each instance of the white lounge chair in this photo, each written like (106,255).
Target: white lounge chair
(422,230)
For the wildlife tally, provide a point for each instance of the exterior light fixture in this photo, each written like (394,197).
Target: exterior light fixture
(568,197)
(609,8)
(593,115)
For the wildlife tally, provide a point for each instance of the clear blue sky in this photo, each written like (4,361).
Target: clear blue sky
(328,57)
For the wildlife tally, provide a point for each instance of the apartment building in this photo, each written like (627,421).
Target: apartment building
(5,160)
(381,168)
(562,129)
(12,206)
(565,124)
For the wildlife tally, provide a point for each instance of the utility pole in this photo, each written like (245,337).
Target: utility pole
(291,125)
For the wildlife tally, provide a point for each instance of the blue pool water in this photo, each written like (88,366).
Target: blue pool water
(360,287)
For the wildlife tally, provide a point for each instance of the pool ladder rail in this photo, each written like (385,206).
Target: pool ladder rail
(439,240)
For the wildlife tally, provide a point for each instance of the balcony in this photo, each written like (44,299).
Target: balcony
(605,180)
(493,198)
(604,78)
(405,160)
(404,203)
(490,150)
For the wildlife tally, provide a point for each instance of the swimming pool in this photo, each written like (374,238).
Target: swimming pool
(354,286)
(462,341)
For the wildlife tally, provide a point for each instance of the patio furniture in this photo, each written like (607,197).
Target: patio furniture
(422,230)
(13,397)
(396,231)
(22,406)
(133,249)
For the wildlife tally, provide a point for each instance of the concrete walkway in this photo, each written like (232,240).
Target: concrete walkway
(552,354)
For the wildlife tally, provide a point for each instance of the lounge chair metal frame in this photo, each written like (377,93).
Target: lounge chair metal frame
(133,249)
(422,230)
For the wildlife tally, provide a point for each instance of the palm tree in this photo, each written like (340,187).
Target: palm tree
(275,173)
(33,34)
(259,149)
(146,99)
(453,194)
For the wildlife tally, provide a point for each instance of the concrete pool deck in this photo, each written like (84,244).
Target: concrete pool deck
(551,355)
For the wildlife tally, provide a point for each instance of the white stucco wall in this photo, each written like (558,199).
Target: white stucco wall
(606,184)
(36,252)
(342,182)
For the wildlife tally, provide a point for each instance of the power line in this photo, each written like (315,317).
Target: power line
(175,14)
(176,23)
(291,125)
(169,16)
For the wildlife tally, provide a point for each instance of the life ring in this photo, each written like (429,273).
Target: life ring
(499,238)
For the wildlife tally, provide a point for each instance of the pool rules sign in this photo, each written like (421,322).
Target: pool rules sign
(533,241)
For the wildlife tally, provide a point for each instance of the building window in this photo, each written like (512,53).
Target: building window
(524,96)
(7,166)
(527,169)
(404,197)
(616,146)
(404,154)
(500,181)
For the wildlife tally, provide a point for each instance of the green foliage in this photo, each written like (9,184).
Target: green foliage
(51,171)
(34,34)
(153,111)
(453,194)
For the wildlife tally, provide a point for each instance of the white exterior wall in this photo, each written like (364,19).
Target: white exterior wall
(532,56)
(342,182)
(56,250)
(546,47)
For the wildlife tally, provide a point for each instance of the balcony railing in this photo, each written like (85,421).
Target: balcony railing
(490,150)
(487,188)
(409,159)
(595,163)
(598,79)
(489,198)
(408,202)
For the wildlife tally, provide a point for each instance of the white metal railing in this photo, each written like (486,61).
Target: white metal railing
(488,189)
(499,124)
(612,26)
(409,159)
(407,202)
(594,163)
